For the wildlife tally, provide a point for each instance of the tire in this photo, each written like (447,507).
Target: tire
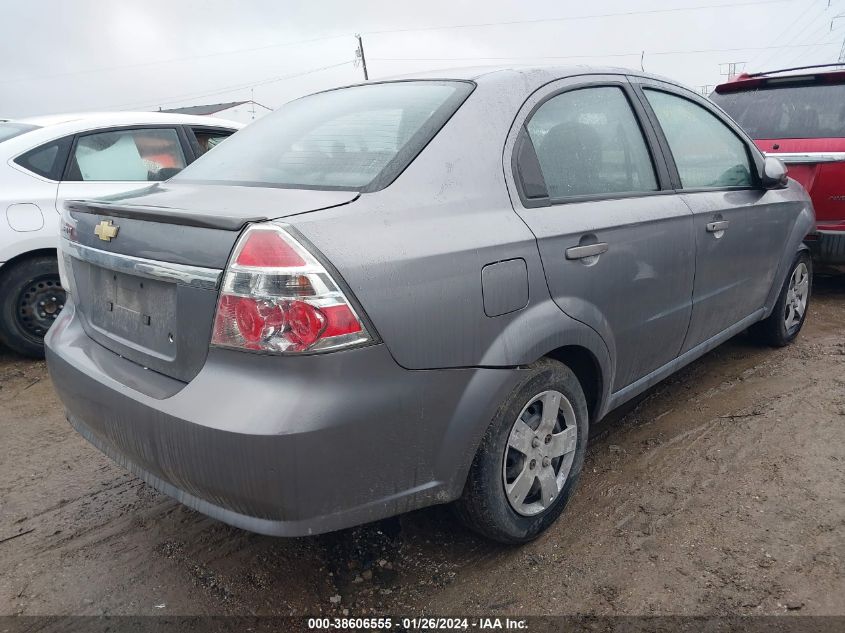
(485,506)
(784,323)
(24,285)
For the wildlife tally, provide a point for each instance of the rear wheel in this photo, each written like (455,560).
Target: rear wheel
(31,297)
(784,323)
(530,457)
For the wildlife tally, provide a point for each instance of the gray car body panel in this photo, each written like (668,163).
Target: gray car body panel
(639,290)
(735,272)
(232,206)
(280,445)
(742,269)
(175,342)
(300,445)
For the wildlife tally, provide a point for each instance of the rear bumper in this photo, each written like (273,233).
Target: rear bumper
(278,445)
(829,248)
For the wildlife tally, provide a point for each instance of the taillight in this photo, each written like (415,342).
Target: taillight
(276,297)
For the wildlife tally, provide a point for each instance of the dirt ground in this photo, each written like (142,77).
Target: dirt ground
(721,492)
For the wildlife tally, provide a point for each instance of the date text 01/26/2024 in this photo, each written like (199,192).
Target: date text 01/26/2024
(416,624)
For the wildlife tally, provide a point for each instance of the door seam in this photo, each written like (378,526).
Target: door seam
(694,272)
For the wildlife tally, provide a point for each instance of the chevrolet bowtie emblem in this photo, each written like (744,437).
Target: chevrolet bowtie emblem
(105,230)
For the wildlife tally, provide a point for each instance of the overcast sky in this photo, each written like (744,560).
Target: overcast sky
(63,56)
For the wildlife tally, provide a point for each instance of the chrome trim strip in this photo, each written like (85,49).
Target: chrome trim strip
(195,276)
(804,158)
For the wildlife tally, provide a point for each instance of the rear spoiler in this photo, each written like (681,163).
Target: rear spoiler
(765,80)
(164,215)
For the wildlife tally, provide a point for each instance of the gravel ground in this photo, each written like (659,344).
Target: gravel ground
(720,492)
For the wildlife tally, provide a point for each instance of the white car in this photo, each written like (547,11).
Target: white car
(47,160)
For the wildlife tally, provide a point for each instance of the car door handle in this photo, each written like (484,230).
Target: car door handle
(715,227)
(590,250)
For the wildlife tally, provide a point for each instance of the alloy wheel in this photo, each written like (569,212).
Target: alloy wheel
(797,294)
(539,453)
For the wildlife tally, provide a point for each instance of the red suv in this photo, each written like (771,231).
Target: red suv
(798,114)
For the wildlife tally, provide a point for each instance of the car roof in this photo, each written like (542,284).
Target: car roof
(525,78)
(798,75)
(102,119)
(533,73)
(55,126)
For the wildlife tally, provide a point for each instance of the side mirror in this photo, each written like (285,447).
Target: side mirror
(775,174)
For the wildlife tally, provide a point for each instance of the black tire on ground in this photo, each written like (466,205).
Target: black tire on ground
(773,329)
(40,272)
(484,506)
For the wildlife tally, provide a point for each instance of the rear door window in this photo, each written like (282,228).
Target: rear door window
(48,160)
(707,153)
(808,111)
(151,154)
(208,139)
(588,142)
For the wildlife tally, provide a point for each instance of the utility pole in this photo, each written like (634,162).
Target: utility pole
(731,69)
(360,55)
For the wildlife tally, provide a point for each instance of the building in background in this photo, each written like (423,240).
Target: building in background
(240,111)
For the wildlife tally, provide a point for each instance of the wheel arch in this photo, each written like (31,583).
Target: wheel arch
(558,337)
(587,370)
(804,223)
(38,252)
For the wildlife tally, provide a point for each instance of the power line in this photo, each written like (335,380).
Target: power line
(577,17)
(827,40)
(251,84)
(798,33)
(173,60)
(627,54)
(814,34)
(384,31)
(791,24)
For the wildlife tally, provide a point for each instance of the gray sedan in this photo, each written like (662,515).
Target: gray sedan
(414,292)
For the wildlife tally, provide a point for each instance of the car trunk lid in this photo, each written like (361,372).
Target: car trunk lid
(144,274)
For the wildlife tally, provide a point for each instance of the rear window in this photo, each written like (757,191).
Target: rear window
(11,130)
(357,138)
(808,111)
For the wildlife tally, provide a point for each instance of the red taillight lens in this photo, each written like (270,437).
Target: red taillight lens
(341,320)
(307,324)
(277,297)
(268,249)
